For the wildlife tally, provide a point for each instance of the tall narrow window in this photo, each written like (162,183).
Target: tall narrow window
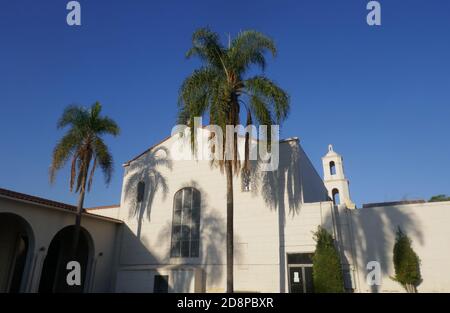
(140,191)
(332,168)
(186,223)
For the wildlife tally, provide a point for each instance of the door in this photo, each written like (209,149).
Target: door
(300,272)
(296,280)
(300,279)
(161,284)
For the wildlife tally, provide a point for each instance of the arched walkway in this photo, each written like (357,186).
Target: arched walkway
(16,252)
(54,272)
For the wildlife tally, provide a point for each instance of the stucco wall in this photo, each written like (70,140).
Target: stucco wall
(45,223)
(373,238)
(112,212)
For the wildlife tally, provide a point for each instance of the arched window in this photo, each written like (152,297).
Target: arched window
(336,198)
(140,191)
(186,224)
(332,168)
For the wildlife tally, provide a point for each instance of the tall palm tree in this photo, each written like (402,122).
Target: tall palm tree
(84,146)
(220,88)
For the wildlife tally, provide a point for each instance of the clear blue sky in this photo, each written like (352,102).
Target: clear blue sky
(380,95)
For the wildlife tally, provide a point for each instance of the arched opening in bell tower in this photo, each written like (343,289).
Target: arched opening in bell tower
(336,197)
(332,168)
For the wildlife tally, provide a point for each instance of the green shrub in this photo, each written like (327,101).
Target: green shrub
(406,263)
(439,198)
(327,269)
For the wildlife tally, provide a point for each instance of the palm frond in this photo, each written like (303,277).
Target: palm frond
(207,47)
(271,94)
(105,159)
(72,115)
(249,48)
(64,149)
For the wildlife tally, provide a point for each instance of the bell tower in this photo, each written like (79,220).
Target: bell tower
(334,179)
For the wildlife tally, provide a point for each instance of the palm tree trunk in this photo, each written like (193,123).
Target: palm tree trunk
(230,232)
(76,236)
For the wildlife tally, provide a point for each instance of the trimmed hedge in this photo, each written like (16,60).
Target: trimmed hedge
(406,263)
(327,269)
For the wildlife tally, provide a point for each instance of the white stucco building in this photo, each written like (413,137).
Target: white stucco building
(168,233)
(35,234)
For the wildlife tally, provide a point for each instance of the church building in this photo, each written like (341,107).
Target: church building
(168,234)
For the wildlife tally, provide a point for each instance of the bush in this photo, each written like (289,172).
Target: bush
(327,269)
(406,263)
(439,198)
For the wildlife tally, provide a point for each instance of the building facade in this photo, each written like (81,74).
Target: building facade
(174,214)
(169,235)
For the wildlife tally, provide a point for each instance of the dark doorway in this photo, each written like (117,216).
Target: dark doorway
(16,246)
(161,284)
(20,260)
(300,273)
(54,272)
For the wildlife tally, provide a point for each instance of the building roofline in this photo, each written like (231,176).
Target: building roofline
(392,203)
(147,150)
(26,198)
(127,163)
(103,207)
(6,193)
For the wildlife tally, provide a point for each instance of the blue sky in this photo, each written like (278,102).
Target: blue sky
(380,95)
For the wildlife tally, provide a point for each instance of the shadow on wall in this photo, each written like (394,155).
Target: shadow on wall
(372,238)
(144,180)
(133,251)
(286,180)
(212,245)
(274,186)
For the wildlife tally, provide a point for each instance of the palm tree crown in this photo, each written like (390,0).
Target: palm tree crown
(83,143)
(220,87)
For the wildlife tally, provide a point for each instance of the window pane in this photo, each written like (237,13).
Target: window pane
(185,249)
(187,203)
(300,258)
(194,248)
(177,208)
(185,233)
(176,217)
(196,197)
(176,233)
(195,231)
(177,200)
(175,250)
(196,206)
